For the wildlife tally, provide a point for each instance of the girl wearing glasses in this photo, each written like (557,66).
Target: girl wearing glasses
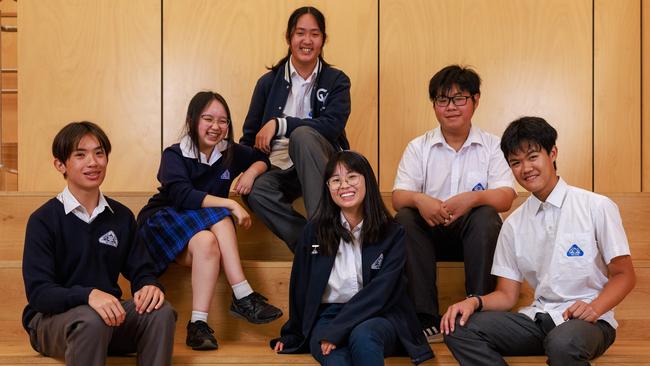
(186,221)
(348,302)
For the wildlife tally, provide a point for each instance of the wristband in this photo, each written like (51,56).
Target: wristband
(480,301)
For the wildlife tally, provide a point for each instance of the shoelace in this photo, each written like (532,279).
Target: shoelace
(204,328)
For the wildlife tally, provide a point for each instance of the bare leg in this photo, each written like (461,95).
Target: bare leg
(203,255)
(224,231)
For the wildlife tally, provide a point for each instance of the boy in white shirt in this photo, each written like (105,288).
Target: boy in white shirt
(450,186)
(569,245)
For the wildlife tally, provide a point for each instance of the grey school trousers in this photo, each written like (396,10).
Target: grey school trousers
(81,337)
(273,192)
(490,335)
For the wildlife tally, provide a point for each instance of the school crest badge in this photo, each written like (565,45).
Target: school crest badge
(378,262)
(575,251)
(225,175)
(109,239)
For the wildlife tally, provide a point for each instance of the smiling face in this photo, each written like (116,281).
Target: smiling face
(533,168)
(348,190)
(306,41)
(455,118)
(85,168)
(212,126)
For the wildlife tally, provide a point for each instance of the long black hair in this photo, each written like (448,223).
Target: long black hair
(199,102)
(329,229)
(291,27)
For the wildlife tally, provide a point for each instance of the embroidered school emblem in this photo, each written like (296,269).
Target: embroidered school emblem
(109,239)
(377,263)
(321,95)
(575,251)
(225,175)
(478,187)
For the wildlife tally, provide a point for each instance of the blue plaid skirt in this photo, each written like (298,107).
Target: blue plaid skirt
(168,231)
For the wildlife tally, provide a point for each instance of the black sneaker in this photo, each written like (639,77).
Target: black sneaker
(255,309)
(199,336)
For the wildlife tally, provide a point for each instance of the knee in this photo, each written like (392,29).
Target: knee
(364,336)
(86,323)
(486,216)
(303,138)
(165,317)
(205,245)
(257,193)
(407,216)
(562,347)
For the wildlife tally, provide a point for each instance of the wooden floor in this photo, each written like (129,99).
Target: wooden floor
(267,264)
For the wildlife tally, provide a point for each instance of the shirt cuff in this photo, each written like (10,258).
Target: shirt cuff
(506,272)
(282,126)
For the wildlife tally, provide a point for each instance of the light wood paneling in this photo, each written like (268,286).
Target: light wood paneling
(645,123)
(9,46)
(90,60)
(225,46)
(617,103)
(534,58)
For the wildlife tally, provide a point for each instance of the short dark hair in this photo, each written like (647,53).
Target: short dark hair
(464,77)
(67,140)
(327,220)
(528,132)
(199,102)
(291,27)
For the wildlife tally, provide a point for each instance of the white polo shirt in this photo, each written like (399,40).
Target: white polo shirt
(561,247)
(431,166)
(346,278)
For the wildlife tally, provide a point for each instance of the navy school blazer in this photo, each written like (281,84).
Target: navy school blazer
(383,294)
(330,104)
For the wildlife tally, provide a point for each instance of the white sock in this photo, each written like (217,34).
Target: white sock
(199,315)
(242,289)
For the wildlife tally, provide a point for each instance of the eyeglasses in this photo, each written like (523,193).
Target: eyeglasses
(458,100)
(221,122)
(336,182)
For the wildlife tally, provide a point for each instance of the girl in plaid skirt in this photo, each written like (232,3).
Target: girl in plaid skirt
(191,219)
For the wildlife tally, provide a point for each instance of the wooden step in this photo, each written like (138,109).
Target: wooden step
(272,280)
(258,243)
(259,354)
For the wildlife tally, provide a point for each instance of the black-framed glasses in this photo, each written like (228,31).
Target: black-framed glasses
(221,122)
(336,182)
(458,100)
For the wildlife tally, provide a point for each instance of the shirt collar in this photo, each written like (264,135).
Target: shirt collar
(188,150)
(346,225)
(70,203)
(291,71)
(555,198)
(474,137)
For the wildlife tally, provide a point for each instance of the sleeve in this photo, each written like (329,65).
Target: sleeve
(410,176)
(499,173)
(376,297)
(138,267)
(332,119)
(610,235)
(291,332)
(174,176)
(245,156)
(505,259)
(253,121)
(44,294)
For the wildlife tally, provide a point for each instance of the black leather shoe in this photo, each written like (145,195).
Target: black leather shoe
(255,309)
(199,336)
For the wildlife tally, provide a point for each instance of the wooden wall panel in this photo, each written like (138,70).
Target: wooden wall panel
(645,123)
(225,46)
(95,60)
(534,58)
(617,96)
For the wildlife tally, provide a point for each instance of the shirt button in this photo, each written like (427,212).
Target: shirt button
(279,107)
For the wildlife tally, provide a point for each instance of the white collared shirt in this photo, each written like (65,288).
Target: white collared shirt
(561,247)
(70,204)
(298,105)
(188,151)
(346,278)
(431,166)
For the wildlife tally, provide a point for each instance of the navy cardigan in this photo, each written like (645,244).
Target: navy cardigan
(330,104)
(383,294)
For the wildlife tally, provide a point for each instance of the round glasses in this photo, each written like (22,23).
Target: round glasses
(221,122)
(336,182)
(458,100)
